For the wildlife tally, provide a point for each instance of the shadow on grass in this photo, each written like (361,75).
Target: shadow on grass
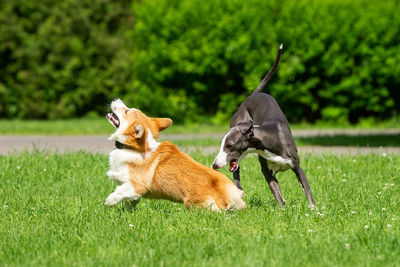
(376,140)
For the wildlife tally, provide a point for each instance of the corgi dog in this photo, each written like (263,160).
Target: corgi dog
(146,168)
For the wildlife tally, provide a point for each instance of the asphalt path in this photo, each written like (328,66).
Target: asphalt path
(99,143)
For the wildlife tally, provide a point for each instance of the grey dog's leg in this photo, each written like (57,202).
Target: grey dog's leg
(301,177)
(236,178)
(272,182)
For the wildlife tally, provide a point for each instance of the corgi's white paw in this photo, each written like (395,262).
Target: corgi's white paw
(111,200)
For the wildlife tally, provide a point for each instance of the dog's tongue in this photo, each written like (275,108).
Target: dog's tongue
(113,119)
(232,165)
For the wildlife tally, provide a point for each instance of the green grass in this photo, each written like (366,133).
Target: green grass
(101,126)
(366,123)
(55,127)
(52,213)
(86,127)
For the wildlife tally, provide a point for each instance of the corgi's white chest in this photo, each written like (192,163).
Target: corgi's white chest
(119,160)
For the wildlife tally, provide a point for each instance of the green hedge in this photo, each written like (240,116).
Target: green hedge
(341,59)
(63,58)
(189,59)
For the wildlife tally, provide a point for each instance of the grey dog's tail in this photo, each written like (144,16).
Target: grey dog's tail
(271,72)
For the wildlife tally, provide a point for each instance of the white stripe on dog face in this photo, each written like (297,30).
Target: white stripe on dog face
(220,160)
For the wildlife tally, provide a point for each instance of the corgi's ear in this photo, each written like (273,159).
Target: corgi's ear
(139,131)
(162,123)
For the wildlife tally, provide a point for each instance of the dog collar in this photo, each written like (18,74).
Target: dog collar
(122,146)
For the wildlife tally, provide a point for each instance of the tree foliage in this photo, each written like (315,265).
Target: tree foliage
(190,58)
(62,58)
(341,59)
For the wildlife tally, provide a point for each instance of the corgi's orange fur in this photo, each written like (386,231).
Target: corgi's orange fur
(145,168)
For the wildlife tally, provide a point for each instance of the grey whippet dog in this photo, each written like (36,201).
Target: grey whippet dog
(259,126)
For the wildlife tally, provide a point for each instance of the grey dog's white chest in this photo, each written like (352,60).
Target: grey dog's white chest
(275,163)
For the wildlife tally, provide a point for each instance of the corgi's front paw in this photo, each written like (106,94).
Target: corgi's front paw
(111,200)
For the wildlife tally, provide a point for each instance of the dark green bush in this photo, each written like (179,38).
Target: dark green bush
(63,58)
(189,58)
(341,59)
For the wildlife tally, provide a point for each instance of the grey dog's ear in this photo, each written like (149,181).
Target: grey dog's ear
(247,129)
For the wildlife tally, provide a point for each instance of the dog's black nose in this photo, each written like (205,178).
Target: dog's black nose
(215,166)
(115,98)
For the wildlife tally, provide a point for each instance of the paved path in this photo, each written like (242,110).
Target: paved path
(100,144)
(320,150)
(95,143)
(296,133)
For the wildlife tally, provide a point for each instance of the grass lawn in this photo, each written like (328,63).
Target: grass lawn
(87,127)
(101,126)
(52,213)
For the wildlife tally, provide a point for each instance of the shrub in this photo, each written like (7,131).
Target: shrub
(62,58)
(190,59)
(341,59)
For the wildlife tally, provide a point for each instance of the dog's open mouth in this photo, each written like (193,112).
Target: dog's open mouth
(113,119)
(233,165)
